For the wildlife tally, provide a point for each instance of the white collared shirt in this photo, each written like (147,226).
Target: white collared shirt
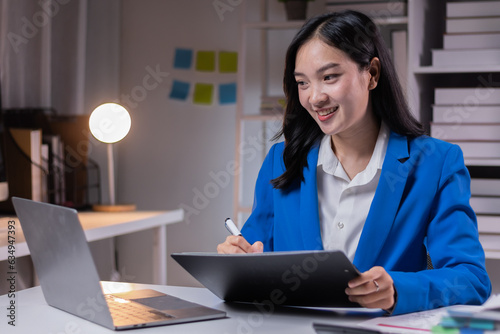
(344,203)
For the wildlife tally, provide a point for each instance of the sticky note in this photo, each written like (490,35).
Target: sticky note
(228,62)
(482,324)
(180,90)
(203,93)
(205,61)
(227,93)
(443,330)
(183,58)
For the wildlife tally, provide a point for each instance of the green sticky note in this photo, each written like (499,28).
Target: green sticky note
(203,93)
(228,62)
(205,61)
(442,330)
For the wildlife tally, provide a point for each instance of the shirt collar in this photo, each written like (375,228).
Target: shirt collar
(329,162)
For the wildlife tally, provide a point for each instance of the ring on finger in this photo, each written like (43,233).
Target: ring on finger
(376,285)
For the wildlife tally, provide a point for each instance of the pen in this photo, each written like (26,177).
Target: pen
(231,227)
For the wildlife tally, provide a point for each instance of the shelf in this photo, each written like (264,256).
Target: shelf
(453,69)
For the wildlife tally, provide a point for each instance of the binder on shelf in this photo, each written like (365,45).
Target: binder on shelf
(489,242)
(480,150)
(485,187)
(485,205)
(23,159)
(488,223)
(458,114)
(471,41)
(473,24)
(492,162)
(74,133)
(473,9)
(450,58)
(454,96)
(45,175)
(56,180)
(466,132)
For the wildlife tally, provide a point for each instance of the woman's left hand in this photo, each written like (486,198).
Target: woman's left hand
(373,289)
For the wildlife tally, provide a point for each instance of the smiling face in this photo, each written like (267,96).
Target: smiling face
(333,89)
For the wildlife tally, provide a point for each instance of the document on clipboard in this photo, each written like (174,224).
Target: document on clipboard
(298,278)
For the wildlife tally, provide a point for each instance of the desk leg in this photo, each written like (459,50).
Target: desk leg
(160,255)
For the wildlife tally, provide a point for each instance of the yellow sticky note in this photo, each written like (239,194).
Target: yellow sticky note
(203,93)
(228,62)
(205,61)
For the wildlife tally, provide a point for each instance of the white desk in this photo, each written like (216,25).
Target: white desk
(33,315)
(102,225)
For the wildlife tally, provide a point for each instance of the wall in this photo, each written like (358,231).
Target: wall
(174,146)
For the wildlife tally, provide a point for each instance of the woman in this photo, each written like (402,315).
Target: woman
(356,173)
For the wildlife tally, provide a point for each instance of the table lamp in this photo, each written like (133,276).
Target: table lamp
(109,123)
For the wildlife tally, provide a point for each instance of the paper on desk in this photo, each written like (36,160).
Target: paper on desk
(422,322)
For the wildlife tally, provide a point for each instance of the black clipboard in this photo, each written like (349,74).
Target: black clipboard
(298,278)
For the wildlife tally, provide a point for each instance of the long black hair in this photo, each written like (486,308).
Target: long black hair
(358,36)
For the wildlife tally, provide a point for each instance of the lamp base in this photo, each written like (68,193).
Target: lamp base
(113,207)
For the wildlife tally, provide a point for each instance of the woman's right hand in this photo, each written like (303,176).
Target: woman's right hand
(238,244)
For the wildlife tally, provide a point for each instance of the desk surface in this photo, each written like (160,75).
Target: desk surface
(97,226)
(33,315)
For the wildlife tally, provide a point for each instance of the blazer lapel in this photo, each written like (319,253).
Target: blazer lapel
(309,214)
(385,203)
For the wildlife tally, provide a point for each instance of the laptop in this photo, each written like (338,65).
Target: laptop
(70,282)
(298,278)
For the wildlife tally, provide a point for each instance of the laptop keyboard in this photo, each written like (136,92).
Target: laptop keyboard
(125,311)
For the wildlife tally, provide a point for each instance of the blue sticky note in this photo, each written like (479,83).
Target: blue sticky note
(180,90)
(471,331)
(482,324)
(227,93)
(183,58)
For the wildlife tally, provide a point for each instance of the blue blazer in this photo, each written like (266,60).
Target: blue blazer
(421,205)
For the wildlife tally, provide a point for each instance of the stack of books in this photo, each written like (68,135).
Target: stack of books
(35,166)
(46,157)
(485,201)
(371,8)
(470,118)
(472,35)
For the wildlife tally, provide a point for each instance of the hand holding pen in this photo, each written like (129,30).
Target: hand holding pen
(235,243)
